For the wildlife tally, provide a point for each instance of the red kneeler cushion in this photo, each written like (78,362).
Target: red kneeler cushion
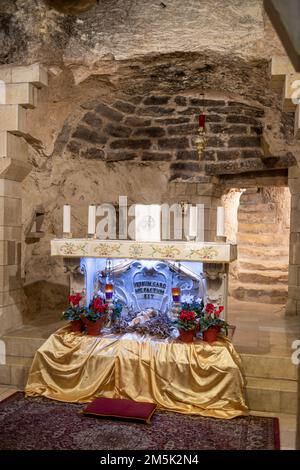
(125,409)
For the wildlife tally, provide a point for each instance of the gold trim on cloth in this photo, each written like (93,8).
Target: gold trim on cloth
(197,378)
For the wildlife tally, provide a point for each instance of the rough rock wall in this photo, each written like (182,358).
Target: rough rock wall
(122,29)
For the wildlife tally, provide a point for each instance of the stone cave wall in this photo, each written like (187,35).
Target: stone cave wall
(162,128)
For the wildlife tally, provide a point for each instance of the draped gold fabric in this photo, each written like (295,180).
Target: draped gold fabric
(195,378)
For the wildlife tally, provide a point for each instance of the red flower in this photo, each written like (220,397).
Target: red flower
(74,299)
(98,306)
(210,308)
(219,311)
(187,316)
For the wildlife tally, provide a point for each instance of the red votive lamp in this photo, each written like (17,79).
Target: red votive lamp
(176,294)
(109,291)
(202,120)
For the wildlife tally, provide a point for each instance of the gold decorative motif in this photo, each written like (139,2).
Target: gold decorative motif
(70,248)
(166,252)
(136,250)
(207,252)
(105,249)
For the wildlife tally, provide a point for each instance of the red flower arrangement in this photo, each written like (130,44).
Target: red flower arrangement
(96,309)
(75,310)
(187,320)
(74,300)
(211,317)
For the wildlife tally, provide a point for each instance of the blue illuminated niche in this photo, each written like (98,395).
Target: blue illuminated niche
(142,284)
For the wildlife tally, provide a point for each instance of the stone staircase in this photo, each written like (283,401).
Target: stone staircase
(263,250)
(20,348)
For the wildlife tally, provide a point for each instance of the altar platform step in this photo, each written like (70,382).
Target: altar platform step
(15,371)
(270,395)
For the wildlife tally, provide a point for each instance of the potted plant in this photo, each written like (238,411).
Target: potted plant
(95,315)
(211,324)
(187,324)
(73,312)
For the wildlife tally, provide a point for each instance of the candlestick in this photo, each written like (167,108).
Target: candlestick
(200,223)
(193,222)
(220,222)
(67,219)
(109,291)
(176,294)
(92,220)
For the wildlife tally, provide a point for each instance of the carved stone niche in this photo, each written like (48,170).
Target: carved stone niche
(76,275)
(216,284)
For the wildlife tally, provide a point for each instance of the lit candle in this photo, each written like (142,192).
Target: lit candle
(193,222)
(202,120)
(220,222)
(176,294)
(109,291)
(92,220)
(67,219)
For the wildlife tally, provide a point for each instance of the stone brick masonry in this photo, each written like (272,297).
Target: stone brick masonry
(162,128)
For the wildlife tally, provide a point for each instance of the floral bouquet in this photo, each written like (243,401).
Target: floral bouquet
(96,310)
(195,305)
(211,318)
(75,309)
(187,320)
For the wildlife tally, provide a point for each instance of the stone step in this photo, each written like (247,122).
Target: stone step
(269,367)
(257,208)
(256,217)
(260,252)
(259,228)
(272,395)
(277,264)
(267,277)
(21,346)
(15,371)
(269,293)
(263,239)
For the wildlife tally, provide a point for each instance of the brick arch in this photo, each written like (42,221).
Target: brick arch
(162,128)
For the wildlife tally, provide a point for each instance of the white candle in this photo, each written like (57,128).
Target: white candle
(193,222)
(200,223)
(67,219)
(220,222)
(92,220)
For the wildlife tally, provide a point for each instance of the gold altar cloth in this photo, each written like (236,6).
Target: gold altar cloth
(196,378)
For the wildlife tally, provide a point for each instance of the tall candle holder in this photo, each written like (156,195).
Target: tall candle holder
(176,306)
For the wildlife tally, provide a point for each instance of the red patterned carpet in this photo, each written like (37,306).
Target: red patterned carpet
(41,424)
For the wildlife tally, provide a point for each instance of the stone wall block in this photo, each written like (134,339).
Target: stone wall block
(24,94)
(13,146)
(13,118)
(10,211)
(35,74)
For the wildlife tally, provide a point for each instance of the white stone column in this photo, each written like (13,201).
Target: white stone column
(18,91)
